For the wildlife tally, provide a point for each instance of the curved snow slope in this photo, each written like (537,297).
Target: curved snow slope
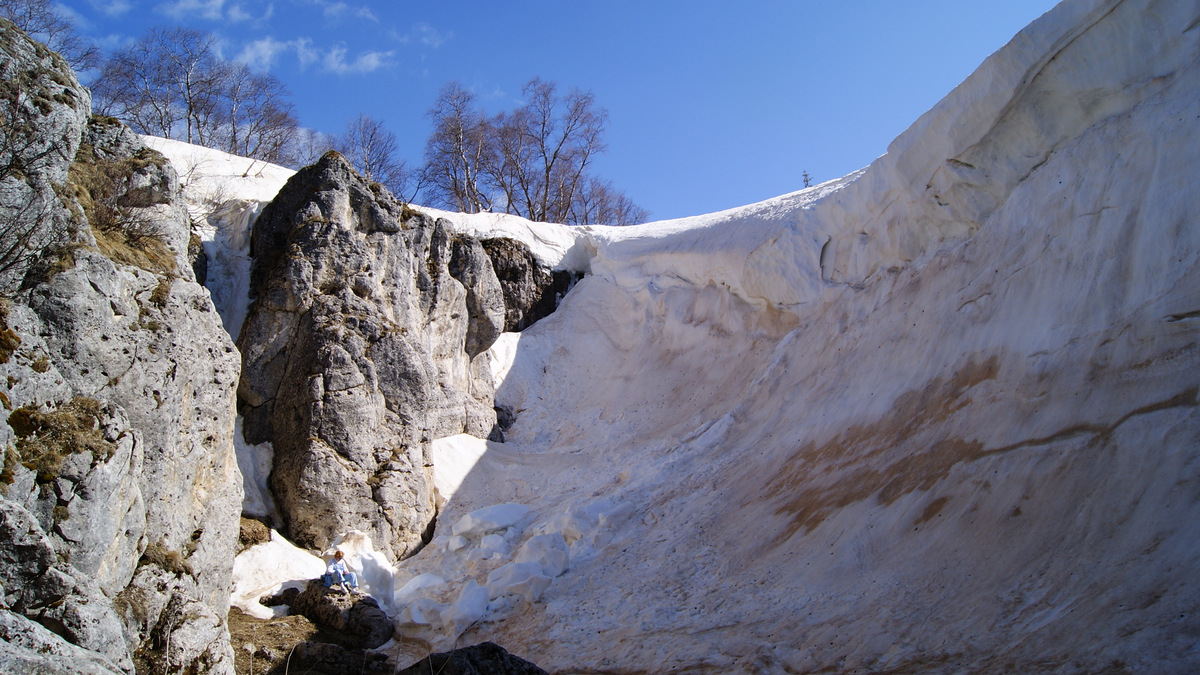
(939,416)
(224,194)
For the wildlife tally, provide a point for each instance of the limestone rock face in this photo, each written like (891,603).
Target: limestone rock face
(27,647)
(54,593)
(531,290)
(44,107)
(364,342)
(120,486)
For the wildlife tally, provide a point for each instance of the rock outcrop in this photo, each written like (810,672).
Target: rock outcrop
(358,617)
(364,342)
(531,290)
(121,488)
(42,109)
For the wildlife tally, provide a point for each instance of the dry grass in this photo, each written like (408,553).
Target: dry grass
(170,560)
(9,342)
(161,293)
(46,438)
(124,233)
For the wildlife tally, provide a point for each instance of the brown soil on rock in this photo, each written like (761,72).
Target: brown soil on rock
(293,644)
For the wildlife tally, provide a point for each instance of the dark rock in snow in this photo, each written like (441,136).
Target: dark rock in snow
(357,617)
(531,290)
(486,658)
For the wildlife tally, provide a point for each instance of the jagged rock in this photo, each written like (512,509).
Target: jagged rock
(188,637)
(363,342)
(321,658)
(52,593)
(471,266)
(485,658)
(121,379)
(45,109)
(28,647)
(150,342)
(358,617)
(94,506)
(531,290)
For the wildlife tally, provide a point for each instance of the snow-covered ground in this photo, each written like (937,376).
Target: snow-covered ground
(939,415)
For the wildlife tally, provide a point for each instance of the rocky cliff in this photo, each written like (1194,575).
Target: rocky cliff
(120,485)
(362,344)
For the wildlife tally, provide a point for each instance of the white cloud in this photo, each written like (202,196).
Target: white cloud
(260,54)
(114,41)
(335,61)
(237,15)
(340,10)
(214,10)
(334,10)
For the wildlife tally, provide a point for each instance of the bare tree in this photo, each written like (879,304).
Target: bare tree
(533,162)
(305,147)
(599,202)
(42,21)
(257,119)
(460,152)
(547,146)
(133,87)
(173,83)
(372,149)
(168,83)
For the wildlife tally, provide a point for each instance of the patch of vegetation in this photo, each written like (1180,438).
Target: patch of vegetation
(407,213)
(9,342)
(46,438)
(159,554)
(161,293)
(12,459)
(123,232)
(104,121)
(252,533)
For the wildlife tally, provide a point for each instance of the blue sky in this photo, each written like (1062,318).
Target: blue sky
(711,104)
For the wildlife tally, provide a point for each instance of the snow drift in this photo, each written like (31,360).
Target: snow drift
(939,415)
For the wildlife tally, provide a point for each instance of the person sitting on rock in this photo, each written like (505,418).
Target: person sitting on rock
(336,573)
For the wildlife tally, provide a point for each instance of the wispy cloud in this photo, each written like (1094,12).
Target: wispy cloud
(424,34)
(111,7)
(261,54)
(238,15)
(113,41)
(340,10)
(214,10)
(178,9)
(305,53)
(335,61)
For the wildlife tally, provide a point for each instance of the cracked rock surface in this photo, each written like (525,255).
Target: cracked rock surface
(364,342)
